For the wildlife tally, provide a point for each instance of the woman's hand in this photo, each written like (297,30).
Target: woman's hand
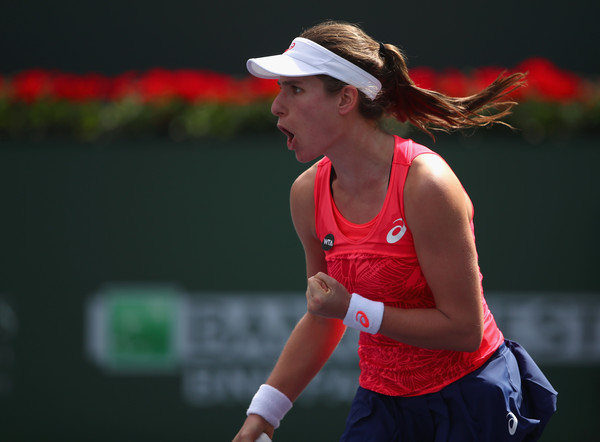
(253,427)
(326,297)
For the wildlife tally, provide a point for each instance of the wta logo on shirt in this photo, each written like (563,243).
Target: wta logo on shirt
(396,232)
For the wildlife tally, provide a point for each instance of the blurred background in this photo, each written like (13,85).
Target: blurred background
(150,270)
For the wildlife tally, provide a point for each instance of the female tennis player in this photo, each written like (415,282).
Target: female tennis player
(387,230)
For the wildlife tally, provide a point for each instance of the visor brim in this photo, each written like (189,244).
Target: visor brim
(276,66)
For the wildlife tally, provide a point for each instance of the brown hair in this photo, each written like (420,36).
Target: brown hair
(400,97)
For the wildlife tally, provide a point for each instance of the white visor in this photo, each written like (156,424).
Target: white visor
(305,57)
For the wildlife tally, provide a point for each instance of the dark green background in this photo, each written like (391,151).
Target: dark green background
(113,36)
(214,217)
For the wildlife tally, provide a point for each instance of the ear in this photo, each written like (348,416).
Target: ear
(348,99)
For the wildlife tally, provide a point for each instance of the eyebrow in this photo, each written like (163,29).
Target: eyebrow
(291,82)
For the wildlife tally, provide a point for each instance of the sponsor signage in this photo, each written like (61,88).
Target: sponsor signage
(224,345)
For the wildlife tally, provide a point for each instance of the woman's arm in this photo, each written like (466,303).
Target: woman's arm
(315,337)
(438,213)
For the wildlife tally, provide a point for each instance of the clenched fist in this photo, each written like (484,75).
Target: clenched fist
(326,297)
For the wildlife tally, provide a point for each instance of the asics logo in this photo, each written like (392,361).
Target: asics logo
(362,319)
(397,231)
(512,423)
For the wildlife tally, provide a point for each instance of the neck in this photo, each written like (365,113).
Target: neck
(363,158)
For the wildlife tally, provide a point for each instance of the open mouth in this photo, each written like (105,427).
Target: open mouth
(287,133)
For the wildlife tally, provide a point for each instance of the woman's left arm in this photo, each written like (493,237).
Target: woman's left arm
(438,213)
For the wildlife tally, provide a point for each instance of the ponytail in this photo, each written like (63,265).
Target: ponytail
(430,110)
(400,97)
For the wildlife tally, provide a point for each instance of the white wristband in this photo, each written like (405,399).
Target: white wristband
(270,403)
(363,314)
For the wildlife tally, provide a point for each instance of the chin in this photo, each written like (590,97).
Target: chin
(304,158)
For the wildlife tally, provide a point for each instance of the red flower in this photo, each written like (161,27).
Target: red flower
(254,88)
(548,82)
(453,83)
(198,85)
(80,88)
(484,76)
(545,82)
(31,85)
(189,85)
(423,77)
(122,86)
(157,84)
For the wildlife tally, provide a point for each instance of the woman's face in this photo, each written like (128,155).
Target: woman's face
(307,115)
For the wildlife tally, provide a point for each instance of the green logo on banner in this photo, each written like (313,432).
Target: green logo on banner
(136,328)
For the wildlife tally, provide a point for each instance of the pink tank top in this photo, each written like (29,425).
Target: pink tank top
(379,262)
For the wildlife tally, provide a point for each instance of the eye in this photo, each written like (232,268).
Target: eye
(290,87)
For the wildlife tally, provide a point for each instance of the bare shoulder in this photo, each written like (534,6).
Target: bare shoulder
(430,170)
(306,180)
(432,186)
(302,191)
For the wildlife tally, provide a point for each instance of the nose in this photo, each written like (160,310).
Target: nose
(277,107)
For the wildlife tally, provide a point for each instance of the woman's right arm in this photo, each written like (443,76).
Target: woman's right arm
(314,338)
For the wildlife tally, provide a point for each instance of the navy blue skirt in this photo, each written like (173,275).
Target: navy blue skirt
(507,399)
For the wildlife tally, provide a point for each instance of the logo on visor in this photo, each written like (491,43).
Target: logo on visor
(291,46)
